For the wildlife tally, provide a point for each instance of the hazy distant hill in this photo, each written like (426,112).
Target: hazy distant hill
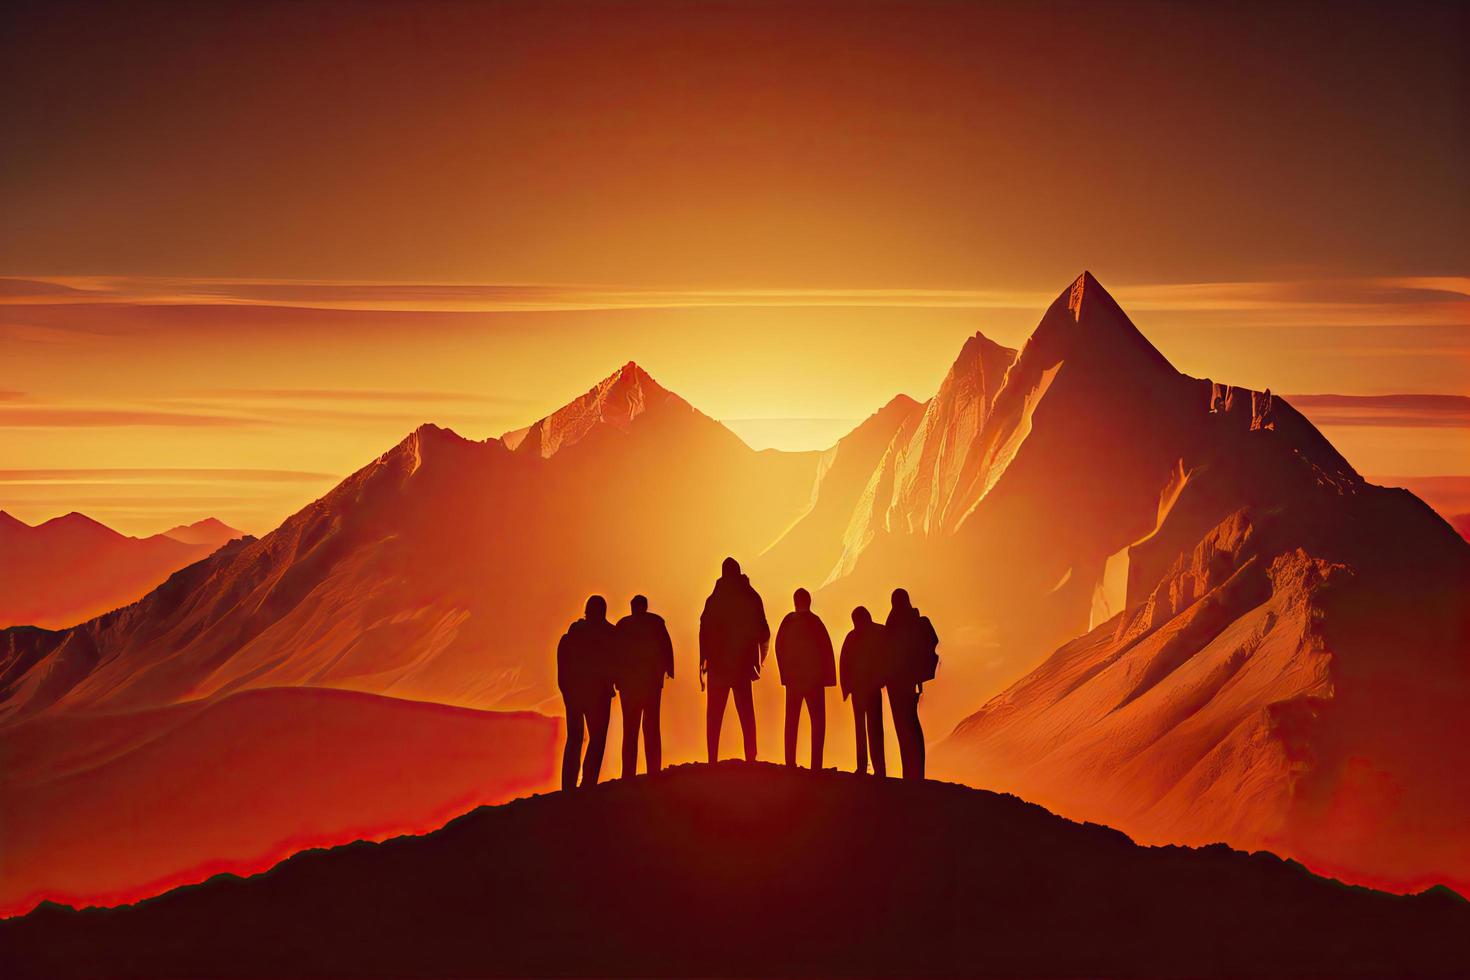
(69,569)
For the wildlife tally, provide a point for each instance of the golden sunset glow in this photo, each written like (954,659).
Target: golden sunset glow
(410,408)
(246,399)
(788,215)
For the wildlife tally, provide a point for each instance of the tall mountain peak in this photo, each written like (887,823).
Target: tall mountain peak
(616,400)
(1085,321)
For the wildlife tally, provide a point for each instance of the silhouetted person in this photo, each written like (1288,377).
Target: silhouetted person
(864,672)
(804,657)
(645,657)
(585,659)
(733,639)
(912,661)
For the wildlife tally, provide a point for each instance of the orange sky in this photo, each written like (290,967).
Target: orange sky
(247,247)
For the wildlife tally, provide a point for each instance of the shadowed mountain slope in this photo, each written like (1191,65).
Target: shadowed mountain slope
(757,870)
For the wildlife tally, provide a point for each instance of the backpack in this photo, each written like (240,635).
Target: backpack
(925,651)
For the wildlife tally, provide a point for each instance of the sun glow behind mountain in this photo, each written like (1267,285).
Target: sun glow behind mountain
(786,213)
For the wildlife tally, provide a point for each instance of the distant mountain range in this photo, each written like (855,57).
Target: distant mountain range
(72,568)
(1164,602)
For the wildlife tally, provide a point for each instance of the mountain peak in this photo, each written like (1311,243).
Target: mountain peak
(983,354)
(8,520)
(616,400)
(76,519)
(900,403)
(1085,320)
(1084,287)
(210,530)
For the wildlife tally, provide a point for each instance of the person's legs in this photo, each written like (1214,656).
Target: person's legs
(745,707)
(918,737)
(905,705)
(714,714)
(862,733)
(793,721)
(874,717)
(816,706)
(571,756)
(632,717)
(652,744)
(898,704)
(599,710)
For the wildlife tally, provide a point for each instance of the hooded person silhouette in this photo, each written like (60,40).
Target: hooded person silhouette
(804,657)
(912,661)
(733,639)
(585,659)
(645,657)
(864,671)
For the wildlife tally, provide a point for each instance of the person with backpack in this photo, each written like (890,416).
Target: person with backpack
(585,662)
(863,670)
(733,639)
(913,659)
(804,657)
(645,658)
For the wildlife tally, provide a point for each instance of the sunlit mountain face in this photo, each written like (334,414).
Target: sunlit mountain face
(1165,602)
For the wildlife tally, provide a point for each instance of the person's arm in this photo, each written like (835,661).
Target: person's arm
(844,671)
(764,631)
(564,663)
(704,637)
(668,649)
(783,637)
(829,663)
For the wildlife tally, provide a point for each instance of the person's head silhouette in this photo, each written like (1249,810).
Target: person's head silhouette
(803,600)
(596,608)
(729,568)
(901,600)
(861,617)
(639,605)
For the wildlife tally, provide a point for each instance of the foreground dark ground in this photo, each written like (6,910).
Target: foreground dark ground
(754,870)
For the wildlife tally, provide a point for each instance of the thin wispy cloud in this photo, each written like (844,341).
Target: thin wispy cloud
(1386,301)
(262,408)
(1392,411)
(60,417)
(160,475)
(360,394)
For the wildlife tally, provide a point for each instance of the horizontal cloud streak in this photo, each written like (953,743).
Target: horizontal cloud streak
(361,394)
(56,417)
(1393,411)
(162,475)
(1435,301)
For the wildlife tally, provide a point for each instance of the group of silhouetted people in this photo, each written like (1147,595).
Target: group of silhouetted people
(597,659)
